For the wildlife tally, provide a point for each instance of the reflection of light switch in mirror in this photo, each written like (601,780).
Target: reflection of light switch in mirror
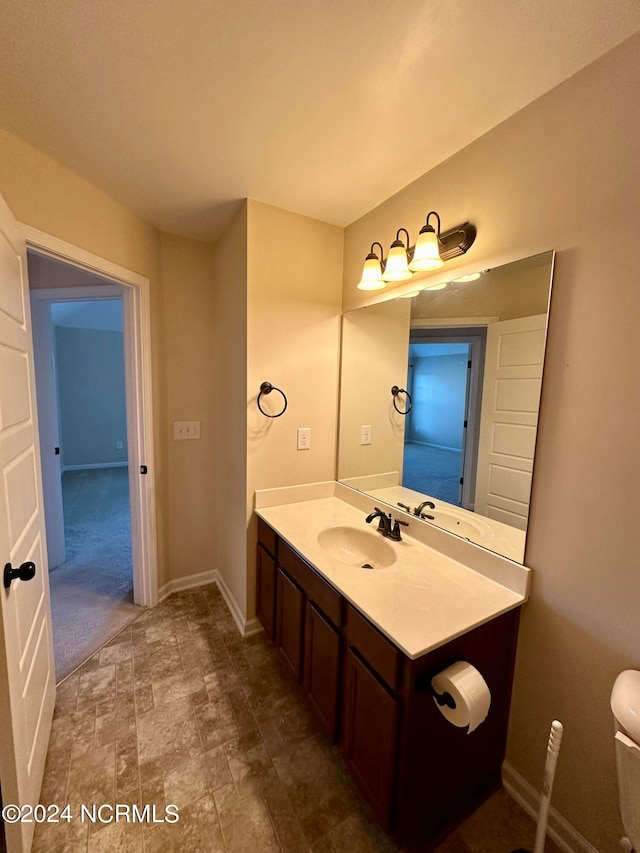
(365,434)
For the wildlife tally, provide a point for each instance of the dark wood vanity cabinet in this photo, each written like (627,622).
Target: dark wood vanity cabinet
(370,734)
(266,579)
(371,711)
(307,632)
(418,771)
(322,667)
(290,609)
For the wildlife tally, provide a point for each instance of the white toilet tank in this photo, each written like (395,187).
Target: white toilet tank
(625,704)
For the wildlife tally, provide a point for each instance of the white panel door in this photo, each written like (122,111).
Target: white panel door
(27,677)
(509,418)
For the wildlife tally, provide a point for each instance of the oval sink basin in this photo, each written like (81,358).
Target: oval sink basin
(358,548)
(462,525)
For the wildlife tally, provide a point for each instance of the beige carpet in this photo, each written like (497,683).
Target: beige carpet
(92,591)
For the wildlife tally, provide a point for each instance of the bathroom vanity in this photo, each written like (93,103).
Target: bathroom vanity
(365,643)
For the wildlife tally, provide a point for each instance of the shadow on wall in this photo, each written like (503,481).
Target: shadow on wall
(571,691)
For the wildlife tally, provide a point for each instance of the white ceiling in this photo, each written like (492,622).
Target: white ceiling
(180,108)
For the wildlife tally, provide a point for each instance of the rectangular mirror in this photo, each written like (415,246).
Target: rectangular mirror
(439,401)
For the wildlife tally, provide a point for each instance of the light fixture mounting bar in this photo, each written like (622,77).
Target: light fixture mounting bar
(456,241)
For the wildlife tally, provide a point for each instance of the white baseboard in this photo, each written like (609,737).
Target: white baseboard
(434,446)
(92,465)
(187,582)
(558,829)
(246,627)
(252,627)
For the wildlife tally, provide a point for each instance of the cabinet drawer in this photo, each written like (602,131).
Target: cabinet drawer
(374,647)
(316,588)
(266,537)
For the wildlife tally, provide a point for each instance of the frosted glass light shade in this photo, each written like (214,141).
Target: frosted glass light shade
(371,274)
(396,268)
(426,255)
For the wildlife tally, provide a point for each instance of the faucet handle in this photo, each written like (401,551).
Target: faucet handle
(395,533)
(404,506)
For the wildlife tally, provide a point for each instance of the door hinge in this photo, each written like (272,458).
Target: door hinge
(461,480)
(143,469)
(469,364)
(56,451)
(466,423)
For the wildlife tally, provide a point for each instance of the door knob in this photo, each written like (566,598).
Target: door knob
(26,572)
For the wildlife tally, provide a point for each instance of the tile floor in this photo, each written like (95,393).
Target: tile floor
(179,709)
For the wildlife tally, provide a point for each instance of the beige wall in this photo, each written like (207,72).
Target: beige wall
(293,334)
(50,197)
(47,196)
(228,515)
(375,355)
(191,367)
(563,174)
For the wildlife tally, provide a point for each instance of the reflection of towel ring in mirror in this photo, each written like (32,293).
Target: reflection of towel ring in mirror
(267,388)
(395,391)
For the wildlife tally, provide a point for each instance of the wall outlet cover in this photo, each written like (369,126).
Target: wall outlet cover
(304,438)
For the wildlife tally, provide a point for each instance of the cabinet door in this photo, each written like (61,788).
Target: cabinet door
(266,591)
(370,735)
(322,667)
(289,621)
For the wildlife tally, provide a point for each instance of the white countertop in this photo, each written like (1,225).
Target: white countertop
(422,601)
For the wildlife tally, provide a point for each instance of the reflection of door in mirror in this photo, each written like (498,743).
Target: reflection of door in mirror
(385,344)
(442,429)
(513,379)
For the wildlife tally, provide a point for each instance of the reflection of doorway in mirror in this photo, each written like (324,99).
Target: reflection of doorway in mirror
(441,430)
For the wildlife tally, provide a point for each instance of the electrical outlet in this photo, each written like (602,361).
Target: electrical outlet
(365,434)
(119,445)
(304,438)
(186,430)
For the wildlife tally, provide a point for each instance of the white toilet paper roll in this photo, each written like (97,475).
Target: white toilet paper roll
(469,692)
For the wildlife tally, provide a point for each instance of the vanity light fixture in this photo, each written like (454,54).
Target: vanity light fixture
(431,250)
(372,270)
(397,266)
(426,254)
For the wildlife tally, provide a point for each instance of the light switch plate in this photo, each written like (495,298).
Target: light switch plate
(186,430)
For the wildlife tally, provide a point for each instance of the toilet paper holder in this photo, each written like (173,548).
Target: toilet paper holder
(443,698)
(423,683)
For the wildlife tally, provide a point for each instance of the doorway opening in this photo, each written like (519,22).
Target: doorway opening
(93,424)
(444,379)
